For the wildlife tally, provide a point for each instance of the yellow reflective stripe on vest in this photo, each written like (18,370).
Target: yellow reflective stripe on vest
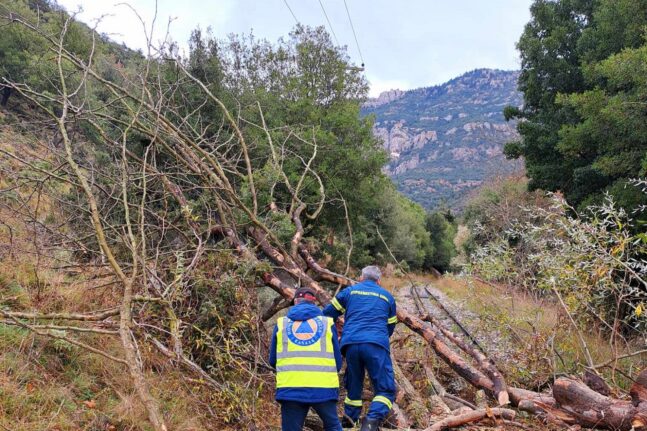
(393,319)
(337,305)
(299,367)
(308,365)
(383,400)
(354,403)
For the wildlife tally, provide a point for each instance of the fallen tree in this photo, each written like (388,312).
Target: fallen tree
(226,207)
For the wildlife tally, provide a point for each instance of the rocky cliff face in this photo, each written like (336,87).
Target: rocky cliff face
(384,97)
(445,140)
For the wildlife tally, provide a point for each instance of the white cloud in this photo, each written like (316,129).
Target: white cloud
(121,23)
(421,44)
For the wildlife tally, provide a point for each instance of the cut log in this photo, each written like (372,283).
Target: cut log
(472,416)
(452,401)
(499,386)
(323,273)
(398,418)
(530,401)
(596,383)
(638,390)
(472,375)
(591,409)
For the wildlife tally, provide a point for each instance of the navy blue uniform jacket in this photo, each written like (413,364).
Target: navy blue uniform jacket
(369,314)
(305,311)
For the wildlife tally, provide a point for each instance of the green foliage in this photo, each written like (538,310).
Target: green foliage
(310,95)
(583,79)
(310,98)
(612,133)
(402,224)
(24,56)
(442,230)
(593,262)
(493,208)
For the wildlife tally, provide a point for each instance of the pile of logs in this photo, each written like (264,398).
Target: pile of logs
(572,402)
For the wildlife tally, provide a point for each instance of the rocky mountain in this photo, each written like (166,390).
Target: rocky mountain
(445,140)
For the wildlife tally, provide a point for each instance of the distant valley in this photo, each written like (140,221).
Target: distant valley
(445,140)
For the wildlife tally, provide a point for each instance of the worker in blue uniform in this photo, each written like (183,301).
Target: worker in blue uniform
(370,318)
(305,352)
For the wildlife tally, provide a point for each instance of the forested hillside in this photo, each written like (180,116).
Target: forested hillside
(444,141)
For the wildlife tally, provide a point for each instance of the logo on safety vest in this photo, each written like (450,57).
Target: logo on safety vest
(306,332)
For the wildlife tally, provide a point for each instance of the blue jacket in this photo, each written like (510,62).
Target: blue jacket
(305,311)
(369,314)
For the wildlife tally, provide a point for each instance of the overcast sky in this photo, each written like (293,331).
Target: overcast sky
(405,43)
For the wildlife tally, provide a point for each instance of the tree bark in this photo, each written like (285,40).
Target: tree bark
(412,405)
(591,409)
(473,416)
(499,385)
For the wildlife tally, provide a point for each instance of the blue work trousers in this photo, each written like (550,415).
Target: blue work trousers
(377,361)
(293,415)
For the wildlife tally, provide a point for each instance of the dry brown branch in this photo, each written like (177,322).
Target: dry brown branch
(125,316)
(57,336)
(187,363)
(90,317)
(278,304)
(617,358)
(411,399)
(64,328)
(473,416)
(585,347)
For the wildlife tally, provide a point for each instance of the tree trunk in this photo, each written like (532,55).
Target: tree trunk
(6,93)
(473,416)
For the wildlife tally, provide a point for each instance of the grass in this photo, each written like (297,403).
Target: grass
(542,340)
(50,384)
(536,341)
(46,387)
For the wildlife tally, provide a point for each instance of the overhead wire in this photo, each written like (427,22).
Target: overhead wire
(332,30)
(329,23)
(290,9)
(354,34)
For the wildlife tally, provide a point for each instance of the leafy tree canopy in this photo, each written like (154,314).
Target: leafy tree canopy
(583,83)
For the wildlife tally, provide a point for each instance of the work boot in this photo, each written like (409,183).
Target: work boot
(370,425)
(347,422)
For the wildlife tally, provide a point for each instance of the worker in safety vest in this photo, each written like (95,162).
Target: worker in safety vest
(305,352)
(369,323)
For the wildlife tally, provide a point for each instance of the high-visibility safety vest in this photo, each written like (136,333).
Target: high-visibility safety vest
(304,354)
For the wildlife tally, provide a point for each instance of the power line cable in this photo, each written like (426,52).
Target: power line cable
(329,24)
(290,9)
(354,34)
